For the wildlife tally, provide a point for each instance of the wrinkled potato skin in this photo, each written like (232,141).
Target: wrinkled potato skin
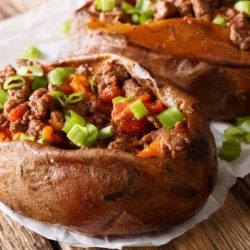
(223,91)
(105,192)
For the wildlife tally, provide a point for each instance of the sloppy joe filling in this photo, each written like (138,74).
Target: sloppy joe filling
(226,13)
(94,105)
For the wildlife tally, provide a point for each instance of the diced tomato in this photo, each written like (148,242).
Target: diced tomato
(17,113)
(47,69)
(109,93)
(50,136)
(125,120)
(155,108)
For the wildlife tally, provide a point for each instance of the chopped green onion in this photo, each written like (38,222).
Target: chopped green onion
(135,18)
(14,82)
(59,75)
(138,109)
(60,97)
(247,138)
(72,118)
(245,126)
(26,137)
(219,20)
(170,117)
(39,83)
(30,71)
(243,6)
(4,96)
(43,141)
(76,97)
(143,5)
(92,135)
(127,7)
(65,28)
(93,85)
(120,99)
(230,151)
(106,132)
(240,120)
(105,5)
(78,135)
(32,53)
(234,134)
(145,16)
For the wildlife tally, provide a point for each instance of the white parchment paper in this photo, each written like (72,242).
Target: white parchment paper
(41,27)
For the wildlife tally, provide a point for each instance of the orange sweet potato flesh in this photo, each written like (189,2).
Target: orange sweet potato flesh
(109,192)
(189,38)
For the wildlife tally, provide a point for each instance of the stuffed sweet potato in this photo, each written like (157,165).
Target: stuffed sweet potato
(96,145)
(209,61)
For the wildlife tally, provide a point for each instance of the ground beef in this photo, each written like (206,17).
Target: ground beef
(154,121)
(11,104)
(149,138)
(24,62)
(115,14)
(5,73)
(3,121)
(164,9)
(84,70)
(41,103)
(184,7)
(57,120)
(35,128)
(202,9)
(23,93)
(125,143)
(240,31)
(131,88)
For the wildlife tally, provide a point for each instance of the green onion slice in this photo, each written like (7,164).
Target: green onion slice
(143,5)
(26,137)
(138,109)
(105,5)
(135,18)
(234,134)
(240,120)
(120,99)
(30,71)
(60,97)
(170,117)
(92,135)
(39,83)
(245,126)
(106,132)
(76,97)
(243,6)
(4,96)
(219,20)
(14,82)
(93,85)
(32,53)
(230,151)
(247,138)
(78,135)
(127,7)
(65,28)
(59,75)
(72,118)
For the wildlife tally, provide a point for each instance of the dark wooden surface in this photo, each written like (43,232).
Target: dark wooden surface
(228,228)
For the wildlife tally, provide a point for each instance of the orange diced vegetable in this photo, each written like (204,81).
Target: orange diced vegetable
(153,150)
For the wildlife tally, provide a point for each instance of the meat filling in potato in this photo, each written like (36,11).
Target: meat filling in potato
(224,13)
(101,107)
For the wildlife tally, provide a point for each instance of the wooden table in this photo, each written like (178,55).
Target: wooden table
(229,228)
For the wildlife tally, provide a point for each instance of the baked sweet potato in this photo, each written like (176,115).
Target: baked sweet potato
(193,54)
(110,188)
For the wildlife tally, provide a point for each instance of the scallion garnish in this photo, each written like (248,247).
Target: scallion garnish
(170,117)
(120,99)
(59,75)
(245,126)
(39,83)
(65,28)
(4,96)
(26,137)
(230,151)
(243,6)
(240,120)
(219,20)
(138,109)
(93,85)
(143,5)
(60,97)
(234,134)
(72,118)
(78,135)
(75,97)
(14,82)
(30,71)
(105,5)
(106,132)
(32,53)
(126,7)
(92,135)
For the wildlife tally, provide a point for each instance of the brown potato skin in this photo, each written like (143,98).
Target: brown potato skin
(101,192)
(223,90)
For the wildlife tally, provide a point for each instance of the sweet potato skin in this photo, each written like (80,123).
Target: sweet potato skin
(227,85)
(105,192)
